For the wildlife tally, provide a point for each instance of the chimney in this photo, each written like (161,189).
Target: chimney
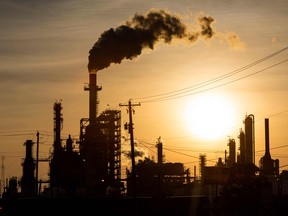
(267,142)
(58,123)
(93,98)
(267,162)
(249,140)
(28,144)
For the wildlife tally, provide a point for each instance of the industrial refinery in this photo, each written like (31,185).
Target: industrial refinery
(89,171)
(85,176)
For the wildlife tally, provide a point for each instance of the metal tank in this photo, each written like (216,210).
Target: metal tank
(242,156)
(232,152)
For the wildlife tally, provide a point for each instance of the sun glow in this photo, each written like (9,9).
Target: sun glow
(209,116)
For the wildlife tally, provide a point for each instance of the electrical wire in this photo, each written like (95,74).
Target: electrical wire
(259,71)
(179,93)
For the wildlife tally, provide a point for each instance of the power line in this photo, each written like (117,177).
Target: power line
(177,150)
(204,90)
(179,93)
(19,134)
(277,147)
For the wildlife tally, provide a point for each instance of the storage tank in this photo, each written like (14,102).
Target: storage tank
(232,152)
(242,157)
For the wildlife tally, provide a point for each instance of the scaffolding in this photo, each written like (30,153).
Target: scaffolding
(109,122)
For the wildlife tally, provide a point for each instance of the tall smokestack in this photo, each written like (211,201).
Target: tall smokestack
(267,163)
(93,96)
(58,123)
(249,139)
(143,31)
(267,141)
(28,182)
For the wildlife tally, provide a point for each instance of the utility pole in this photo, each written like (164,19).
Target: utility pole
(130,130)
(37,162)
(2,176)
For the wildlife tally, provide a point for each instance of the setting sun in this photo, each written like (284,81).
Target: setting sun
(209,116)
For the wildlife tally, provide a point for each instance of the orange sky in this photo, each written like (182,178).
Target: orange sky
(44,48)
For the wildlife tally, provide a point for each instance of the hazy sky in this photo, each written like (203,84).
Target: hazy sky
(44,49)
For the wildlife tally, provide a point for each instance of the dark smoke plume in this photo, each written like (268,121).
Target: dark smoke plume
(127,41)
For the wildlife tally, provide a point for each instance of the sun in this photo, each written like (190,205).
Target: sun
(209,116)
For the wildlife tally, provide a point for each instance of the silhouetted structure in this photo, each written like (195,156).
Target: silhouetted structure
(91,168)
(268,166)
(232,153)
(28,181)
(160,179)
(87,174)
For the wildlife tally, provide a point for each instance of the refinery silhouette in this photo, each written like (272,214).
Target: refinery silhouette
(85,176)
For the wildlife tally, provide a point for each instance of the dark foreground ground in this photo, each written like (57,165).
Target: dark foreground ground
(178,206)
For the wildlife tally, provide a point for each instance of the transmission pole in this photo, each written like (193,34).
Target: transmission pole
(37,163)
(130,130)
(2,176)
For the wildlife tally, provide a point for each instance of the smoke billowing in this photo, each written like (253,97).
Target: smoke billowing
(144,31)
